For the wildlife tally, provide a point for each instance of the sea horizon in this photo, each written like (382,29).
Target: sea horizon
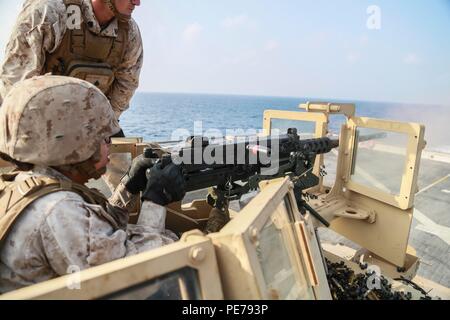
(156,115)
(306,99)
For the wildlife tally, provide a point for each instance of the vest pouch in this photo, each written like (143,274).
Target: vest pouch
(99,74)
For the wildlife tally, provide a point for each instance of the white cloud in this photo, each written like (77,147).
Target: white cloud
(192,32)
(235,22)
(411,58)
(271,45)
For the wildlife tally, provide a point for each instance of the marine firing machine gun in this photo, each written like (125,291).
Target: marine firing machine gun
(235,168)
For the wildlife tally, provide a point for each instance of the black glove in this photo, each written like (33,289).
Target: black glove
(164,184)
(119,134)
(135,179)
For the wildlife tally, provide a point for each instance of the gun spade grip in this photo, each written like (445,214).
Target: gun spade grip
(149,154)
(165,161)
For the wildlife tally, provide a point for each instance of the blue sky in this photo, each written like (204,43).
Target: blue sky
(320,49)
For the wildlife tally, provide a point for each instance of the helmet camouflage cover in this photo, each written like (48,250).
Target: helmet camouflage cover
(54,120)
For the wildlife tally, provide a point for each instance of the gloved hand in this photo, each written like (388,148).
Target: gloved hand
(164,184)
(135,179)
(217,220)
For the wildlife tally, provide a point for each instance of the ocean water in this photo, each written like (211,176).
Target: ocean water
(156,116)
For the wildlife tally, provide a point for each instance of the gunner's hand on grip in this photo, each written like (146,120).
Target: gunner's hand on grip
(135,179)
(165,184)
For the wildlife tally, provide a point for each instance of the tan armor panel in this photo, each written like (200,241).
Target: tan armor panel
(367,201)
(185,270)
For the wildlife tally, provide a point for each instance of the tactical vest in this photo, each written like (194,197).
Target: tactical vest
(87,56)
(16,196)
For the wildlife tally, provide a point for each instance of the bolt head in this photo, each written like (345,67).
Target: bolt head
(254,235)
(197,254)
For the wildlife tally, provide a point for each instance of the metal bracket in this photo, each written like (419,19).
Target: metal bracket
(347,109)
(357,214)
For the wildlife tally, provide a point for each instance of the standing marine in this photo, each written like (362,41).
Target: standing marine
(56,131)
(93,40)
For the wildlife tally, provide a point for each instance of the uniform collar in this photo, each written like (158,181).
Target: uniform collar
(91,21)
(41,171)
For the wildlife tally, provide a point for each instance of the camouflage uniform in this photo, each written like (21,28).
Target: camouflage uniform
(62,230)
(39,30)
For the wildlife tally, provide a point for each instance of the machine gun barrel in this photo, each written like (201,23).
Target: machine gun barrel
(200,156)
(319,145)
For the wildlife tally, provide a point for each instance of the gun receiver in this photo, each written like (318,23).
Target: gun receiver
(233,169)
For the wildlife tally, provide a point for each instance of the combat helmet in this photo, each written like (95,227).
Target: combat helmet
(55,121)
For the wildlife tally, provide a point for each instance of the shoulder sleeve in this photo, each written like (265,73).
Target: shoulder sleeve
(127,75)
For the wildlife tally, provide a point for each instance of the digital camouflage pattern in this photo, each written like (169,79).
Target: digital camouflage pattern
(60,233)
(39,30)
(54,120)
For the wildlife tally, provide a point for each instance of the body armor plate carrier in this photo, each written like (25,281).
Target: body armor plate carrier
(16,196)
(87,56)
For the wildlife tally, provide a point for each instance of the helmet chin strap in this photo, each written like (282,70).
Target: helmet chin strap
(120,16)
(86,168)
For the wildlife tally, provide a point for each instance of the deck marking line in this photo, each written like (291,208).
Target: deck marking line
(434,183)
(429,226)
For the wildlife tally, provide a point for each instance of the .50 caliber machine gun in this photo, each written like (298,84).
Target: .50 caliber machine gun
(231,170)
